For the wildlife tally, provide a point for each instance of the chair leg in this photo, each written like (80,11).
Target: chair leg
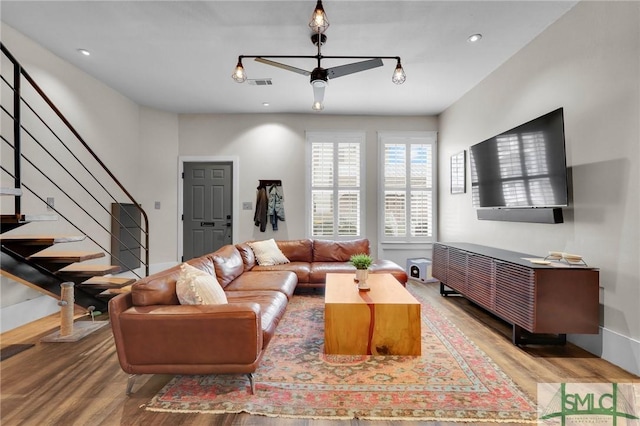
(251,383)
(130,383)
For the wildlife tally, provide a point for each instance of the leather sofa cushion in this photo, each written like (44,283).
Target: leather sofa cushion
(301,269)
(160,288)
(228,264)
(338,251)
(294,250)
(248,256)
(272,307)
(283,281)
(319,270)
(297,250)
(382,265)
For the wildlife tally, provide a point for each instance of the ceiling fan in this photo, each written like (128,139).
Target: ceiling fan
(319,77)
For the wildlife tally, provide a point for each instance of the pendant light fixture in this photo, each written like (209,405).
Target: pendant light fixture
(319,76)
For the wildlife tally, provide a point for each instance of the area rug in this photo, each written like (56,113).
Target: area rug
(453,380)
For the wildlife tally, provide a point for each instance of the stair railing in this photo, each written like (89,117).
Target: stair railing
(16,143)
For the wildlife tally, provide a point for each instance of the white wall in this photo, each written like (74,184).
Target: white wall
(107,120)
(157,171)
(588,63)
(273,147)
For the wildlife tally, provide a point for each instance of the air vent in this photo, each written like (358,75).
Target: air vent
(260,82)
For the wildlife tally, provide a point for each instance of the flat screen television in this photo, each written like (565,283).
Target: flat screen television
(523,167)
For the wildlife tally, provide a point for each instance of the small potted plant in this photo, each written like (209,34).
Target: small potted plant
(362,262)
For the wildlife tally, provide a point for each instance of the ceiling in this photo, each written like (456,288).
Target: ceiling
(178,56)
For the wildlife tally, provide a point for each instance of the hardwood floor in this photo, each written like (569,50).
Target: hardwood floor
(82,384)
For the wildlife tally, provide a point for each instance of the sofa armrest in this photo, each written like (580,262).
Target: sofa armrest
(120,303)
(174,337)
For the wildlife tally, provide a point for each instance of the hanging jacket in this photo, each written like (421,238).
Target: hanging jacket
(275,209)
(262,204)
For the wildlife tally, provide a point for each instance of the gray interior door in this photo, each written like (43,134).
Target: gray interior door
(207,208)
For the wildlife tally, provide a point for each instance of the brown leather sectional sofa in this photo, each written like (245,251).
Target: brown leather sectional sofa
(155,334)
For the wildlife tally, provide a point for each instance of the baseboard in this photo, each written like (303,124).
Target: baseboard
(611,346)
(19,314)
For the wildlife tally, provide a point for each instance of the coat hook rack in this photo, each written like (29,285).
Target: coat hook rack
(269,182)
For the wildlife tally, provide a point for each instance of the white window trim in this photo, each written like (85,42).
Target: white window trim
(432,137)
(324,136)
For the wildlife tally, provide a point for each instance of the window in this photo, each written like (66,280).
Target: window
(335,196)
(407,180)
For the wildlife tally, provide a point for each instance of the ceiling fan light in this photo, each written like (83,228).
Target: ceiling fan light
(319,22)
(238,73)
(399,75)
(317,106)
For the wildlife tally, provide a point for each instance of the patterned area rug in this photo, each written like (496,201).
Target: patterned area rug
(452,381)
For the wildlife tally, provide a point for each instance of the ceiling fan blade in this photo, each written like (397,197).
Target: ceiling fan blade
(347,69)
(283,66)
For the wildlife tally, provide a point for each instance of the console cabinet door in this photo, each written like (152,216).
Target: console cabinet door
(457,273)
(515,294)
(440,263)
(480,280)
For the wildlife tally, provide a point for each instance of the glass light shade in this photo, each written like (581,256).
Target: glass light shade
(399,75)
(238,73)
(317,106)
(319,22)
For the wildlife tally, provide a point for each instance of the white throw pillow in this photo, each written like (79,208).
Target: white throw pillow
(268,253)
(196,287)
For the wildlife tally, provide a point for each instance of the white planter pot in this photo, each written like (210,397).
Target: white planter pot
(361,277)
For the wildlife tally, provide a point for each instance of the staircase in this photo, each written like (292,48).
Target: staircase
(45,159)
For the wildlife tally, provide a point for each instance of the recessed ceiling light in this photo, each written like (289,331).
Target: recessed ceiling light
(474,38)
(265,104)
(84,52)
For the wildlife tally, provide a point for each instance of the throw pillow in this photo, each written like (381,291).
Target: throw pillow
(267,253)
(196,287)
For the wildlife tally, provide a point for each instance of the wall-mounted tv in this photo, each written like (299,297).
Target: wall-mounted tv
(523,167)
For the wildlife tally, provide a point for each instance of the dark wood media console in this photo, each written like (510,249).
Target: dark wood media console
(543,303)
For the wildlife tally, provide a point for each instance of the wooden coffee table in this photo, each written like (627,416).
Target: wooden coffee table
(383,321)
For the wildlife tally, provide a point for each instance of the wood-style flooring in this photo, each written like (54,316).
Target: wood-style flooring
(82,384)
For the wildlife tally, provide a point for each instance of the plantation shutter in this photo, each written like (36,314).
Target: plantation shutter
(336,169)
(407,189)
(395,191)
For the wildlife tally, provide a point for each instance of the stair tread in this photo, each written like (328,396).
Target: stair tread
(41,217)
(108,282)
(79,269)
(10,218)
(112,292)
(41,239)
(10,191)
(66,256)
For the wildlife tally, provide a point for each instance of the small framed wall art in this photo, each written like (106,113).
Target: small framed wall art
(459,173)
